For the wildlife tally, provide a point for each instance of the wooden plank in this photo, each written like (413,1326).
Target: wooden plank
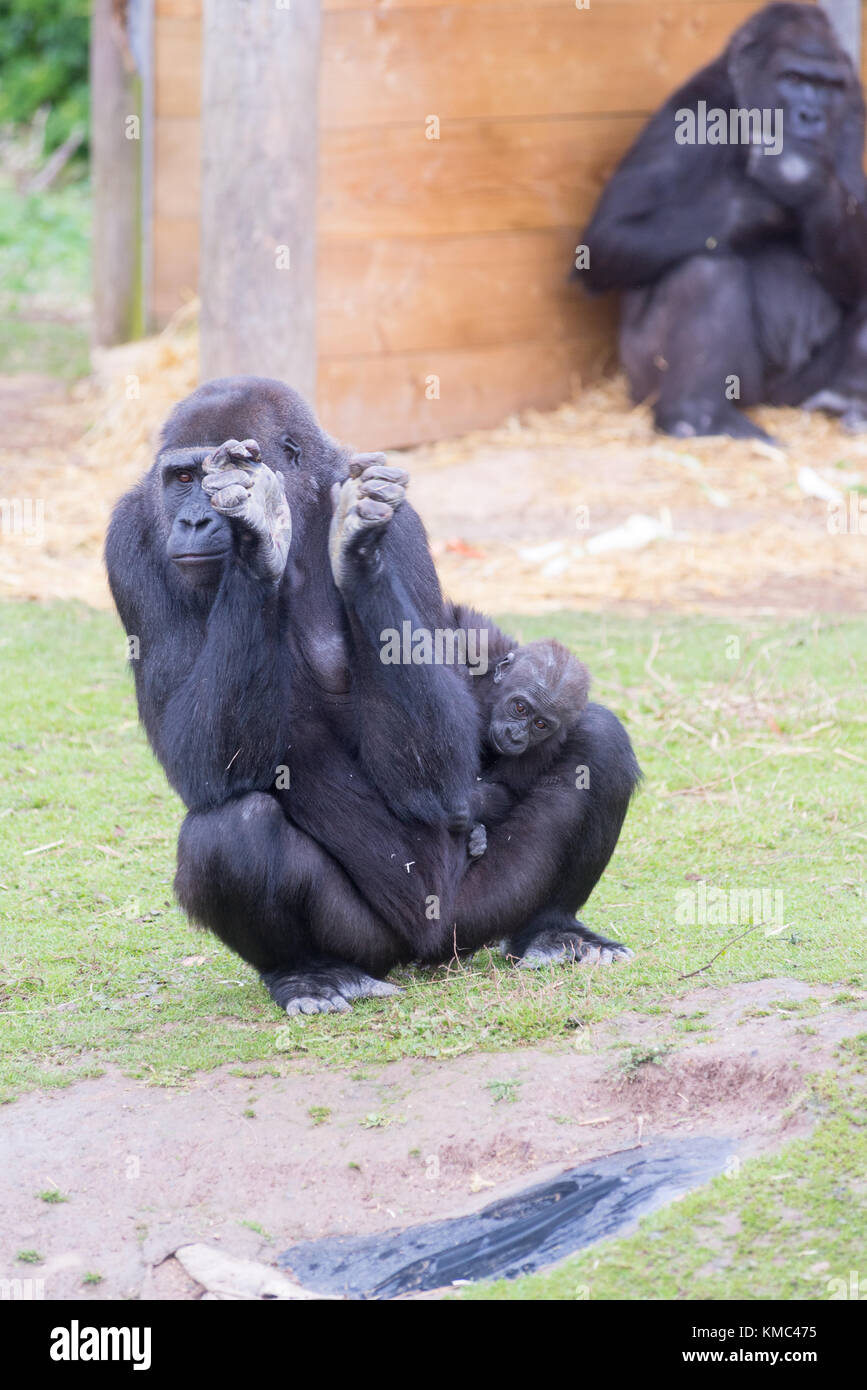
(176,264)
(178,67)
(178,9)
(388,6)
(410,294)
(260,157)
(192,9)
(378,69)
(177,186)
(380,402)
(480,176)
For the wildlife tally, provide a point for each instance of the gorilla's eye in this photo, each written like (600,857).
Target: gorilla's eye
(287,443)
(540,724)
(183,476)
(519,707)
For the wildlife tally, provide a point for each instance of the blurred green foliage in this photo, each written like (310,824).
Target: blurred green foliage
(43,62)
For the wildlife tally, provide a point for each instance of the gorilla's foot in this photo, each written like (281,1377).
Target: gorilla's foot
(852,410)
(689,420)
(363,507)
(566,942)
(323,987)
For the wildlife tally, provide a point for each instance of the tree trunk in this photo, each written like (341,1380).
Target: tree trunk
(116,169)
(257,274)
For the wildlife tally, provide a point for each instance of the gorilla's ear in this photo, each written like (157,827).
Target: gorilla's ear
(502,664)
(290,447)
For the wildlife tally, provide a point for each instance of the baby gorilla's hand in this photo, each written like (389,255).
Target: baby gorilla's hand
(478,841)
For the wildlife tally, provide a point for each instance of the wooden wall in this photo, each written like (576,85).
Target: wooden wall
(176,172)
(447,258)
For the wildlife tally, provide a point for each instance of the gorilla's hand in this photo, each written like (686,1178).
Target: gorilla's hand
(478,841)
(793,178)
(242,488)
(363,507)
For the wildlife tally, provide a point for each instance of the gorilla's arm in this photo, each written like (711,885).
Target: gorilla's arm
(834,237)
(211,678)
(406,872)
(417,721)
(668,201)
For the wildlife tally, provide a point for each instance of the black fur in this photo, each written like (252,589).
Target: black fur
(343,874)
(557,807)
(740,264)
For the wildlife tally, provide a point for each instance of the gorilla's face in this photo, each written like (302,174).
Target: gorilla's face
(198,539)
(527,710)
(812,92)
(797,70)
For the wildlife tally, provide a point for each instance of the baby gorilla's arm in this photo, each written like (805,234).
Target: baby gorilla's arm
(490,804)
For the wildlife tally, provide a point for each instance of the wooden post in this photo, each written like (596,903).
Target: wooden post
(116,166)
(845,16)
(257,273)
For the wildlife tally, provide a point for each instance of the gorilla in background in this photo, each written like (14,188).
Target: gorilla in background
(745,271)
(328,792)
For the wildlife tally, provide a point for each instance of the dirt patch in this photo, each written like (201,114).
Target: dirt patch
(146,1170)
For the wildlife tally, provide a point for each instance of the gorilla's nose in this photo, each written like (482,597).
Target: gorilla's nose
(202,525)
(810,121)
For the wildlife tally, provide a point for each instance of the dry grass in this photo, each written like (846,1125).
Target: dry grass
(510,511)
(100,440)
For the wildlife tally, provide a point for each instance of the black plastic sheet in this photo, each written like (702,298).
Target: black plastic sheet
(516,1235)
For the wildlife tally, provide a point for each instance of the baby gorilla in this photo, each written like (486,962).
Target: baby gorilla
(528,703)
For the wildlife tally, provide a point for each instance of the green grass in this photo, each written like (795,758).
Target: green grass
(45,281)
(755,769)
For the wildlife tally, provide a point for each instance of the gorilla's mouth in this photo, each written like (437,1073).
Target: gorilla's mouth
(201,569)
(195,558)
(504,745)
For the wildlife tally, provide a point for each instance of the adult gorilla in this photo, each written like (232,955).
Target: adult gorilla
(745,270)
(327,791)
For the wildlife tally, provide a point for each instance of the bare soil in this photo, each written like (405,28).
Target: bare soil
(146,1170)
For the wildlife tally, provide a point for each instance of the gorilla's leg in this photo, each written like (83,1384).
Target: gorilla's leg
(847,396)
(543,862)
(834,376)
(690,339)
(277,899)
(805,337)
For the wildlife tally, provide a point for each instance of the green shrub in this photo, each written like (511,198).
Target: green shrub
(43,59)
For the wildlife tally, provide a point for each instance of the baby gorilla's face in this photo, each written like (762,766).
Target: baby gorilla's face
(525,713)
(538,693)
(516,723)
